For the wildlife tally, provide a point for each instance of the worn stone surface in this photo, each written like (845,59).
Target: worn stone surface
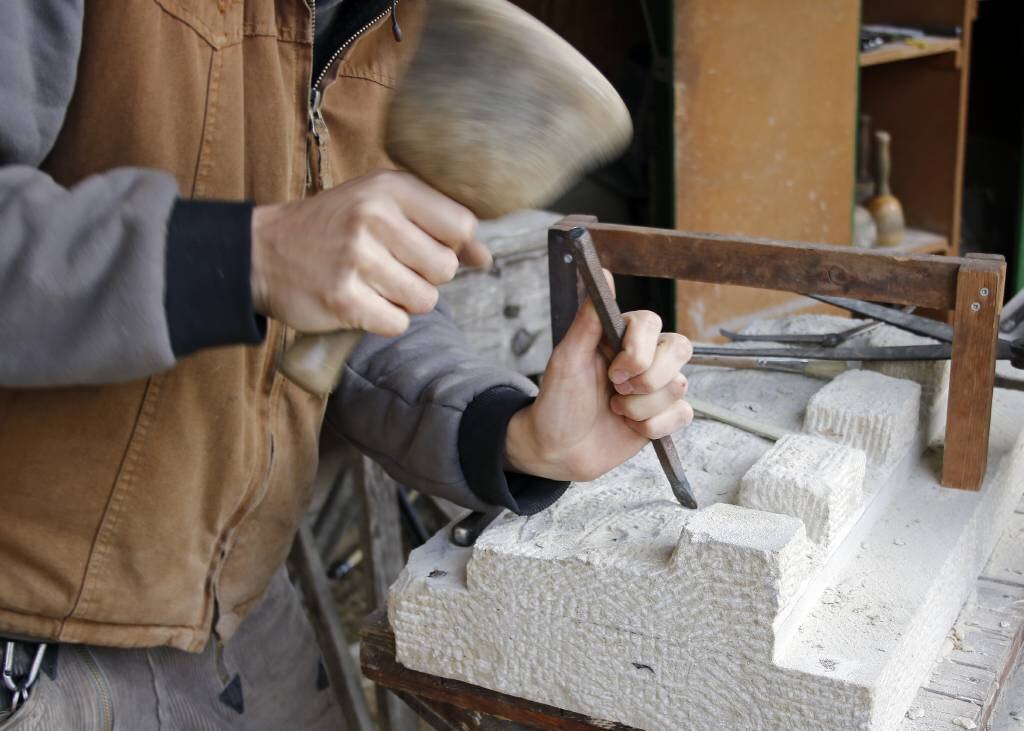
(644,618)
(619,604)
(810,478)
(869,411)
(776,398)
(505,311)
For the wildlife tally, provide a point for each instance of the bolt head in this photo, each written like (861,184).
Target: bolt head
(567,258)
(975,306)
(984,292)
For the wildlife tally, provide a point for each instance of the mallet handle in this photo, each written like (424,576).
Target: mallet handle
(316,362)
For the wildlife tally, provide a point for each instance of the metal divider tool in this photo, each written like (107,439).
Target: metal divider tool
(830,347)
(826,340)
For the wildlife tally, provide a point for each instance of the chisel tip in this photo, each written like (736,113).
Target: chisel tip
(683,492)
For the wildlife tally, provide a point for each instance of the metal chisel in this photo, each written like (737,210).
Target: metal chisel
(589,266)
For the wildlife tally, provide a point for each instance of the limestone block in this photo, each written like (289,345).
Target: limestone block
(619,604)
(869,411)
(818,481)
(616,601)
(931,375)
(769,550)
(493,310)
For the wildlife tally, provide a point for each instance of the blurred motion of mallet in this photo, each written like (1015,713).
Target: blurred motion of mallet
(497,112)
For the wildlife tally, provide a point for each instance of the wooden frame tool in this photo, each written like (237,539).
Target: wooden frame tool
(970,287)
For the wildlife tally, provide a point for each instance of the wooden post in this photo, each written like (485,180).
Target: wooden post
(979,297)
(342,668)
(384,558)
(330,520)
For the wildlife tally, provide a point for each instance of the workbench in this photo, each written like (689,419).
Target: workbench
(807,269)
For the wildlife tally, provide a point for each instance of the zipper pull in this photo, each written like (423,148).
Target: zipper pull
(317,124)
(321,138)
(396,29)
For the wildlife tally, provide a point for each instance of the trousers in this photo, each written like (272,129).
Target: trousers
(268,676)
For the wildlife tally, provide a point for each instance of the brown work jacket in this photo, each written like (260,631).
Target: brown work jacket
(183,491)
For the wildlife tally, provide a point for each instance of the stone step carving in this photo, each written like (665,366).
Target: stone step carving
(867,410)
(818,481)
(617,603)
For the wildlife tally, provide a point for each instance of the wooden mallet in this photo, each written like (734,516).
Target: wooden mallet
(497,112)
(885,208)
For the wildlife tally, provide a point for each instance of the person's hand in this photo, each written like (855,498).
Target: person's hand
(592,415)
(364,255)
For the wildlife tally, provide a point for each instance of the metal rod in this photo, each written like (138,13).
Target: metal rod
(713,411)
(824,369)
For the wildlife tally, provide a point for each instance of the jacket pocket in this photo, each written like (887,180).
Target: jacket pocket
(96,584)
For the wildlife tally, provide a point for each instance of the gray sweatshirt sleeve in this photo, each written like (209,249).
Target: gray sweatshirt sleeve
(404,402)
(81,269)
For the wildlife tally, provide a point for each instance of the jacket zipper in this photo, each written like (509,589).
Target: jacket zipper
(318,133)
(106,704)
(249,502)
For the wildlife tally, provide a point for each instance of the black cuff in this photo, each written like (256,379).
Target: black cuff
(207,295)
(482,455)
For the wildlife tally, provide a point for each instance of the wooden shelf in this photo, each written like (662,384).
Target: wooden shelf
(916,241)
(904,50)
(767,135)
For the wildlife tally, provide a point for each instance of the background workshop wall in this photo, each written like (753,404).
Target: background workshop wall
(747,123)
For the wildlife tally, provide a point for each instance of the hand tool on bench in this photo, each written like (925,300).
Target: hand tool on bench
(1005,349)
(826,340)
(708,410)
(940,351)
(825,370)
(497,112)
(1011,350)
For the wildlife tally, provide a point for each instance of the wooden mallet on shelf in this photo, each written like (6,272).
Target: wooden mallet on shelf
(885,207)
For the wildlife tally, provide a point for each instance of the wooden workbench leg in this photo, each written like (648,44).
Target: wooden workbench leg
(979,297)
(335,512)
(342,669)
(384,558)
